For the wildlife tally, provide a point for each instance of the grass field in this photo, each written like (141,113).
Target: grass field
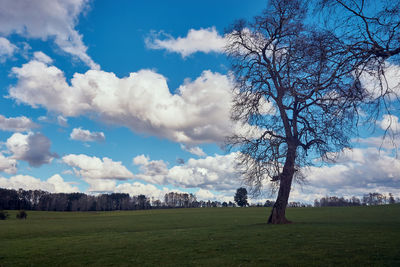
(358,236)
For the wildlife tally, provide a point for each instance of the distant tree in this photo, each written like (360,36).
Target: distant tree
(391,199)
(269,203)
(157,204)
(372,199)
(3,215)
(231,204)
(354,201)
(241,197)
(143,202)
(178,200)
(22,215)
(224,204)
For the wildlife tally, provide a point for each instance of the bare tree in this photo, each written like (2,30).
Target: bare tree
(299,84)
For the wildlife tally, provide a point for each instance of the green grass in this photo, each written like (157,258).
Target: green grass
(357,236)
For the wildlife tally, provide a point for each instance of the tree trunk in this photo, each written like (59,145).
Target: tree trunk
(279,209)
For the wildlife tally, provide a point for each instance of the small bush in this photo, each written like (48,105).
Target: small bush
(22,215)
(3,215)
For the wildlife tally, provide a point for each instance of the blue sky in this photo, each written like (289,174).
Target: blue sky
(134,97)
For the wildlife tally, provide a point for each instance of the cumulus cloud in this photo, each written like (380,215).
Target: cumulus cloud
(195,150)
(54,184)
(87,136)
(95,168)
(60,185)
(359,168)
(203,194)
(199,111)
(16,124)
(42,57)
(391,123)
(7,49)
(33,148)
(7,165)
(47,19)
(211,173)
(217,172)
(153,171)
(101,185)
(388,85)
(355,172)
(202,40)
(148,190)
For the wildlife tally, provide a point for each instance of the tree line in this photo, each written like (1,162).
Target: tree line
(11,199)
(41,200)
(370,199)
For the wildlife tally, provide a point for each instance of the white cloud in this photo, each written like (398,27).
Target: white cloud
(60,185)
(151,171)
(62,121)
(47,19)
(195,150)
(148,190)
(356,172)
(202,194)
(388,85)
(7,165)
(101,185)
(96,168)
(33,148)
(133,189)
(16,124)
(7,49)
(69,172)
(380,142)
(199,111)
(54,184)
(42,57)
(211,173)
(43,119)
(203,40)
(390,122)
(359,168)
(87,136)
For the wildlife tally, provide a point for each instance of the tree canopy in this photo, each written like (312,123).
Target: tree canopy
(241,197)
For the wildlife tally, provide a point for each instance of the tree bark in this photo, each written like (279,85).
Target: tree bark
(278,214)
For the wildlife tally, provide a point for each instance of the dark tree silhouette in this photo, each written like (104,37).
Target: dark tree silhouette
(299,82)
(3,215)
(241,197)
(22,215)
(391,199)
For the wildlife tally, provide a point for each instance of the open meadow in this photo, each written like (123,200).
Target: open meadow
(358,236)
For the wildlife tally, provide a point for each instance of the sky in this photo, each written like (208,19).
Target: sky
(134,97)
